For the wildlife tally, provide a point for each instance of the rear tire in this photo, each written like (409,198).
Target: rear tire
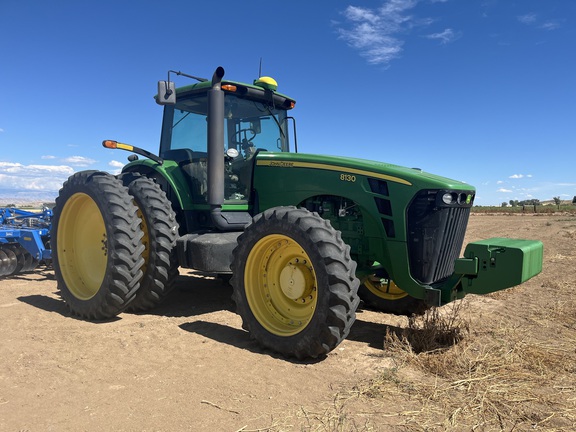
(96,245)
(160,233)
(294,283)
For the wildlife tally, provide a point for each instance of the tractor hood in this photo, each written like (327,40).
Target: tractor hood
(394,173)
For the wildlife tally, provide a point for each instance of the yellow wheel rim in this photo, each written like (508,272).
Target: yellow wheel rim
(384,288)
(82,246)
(281,285)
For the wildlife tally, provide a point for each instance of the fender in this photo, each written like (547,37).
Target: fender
(169,176)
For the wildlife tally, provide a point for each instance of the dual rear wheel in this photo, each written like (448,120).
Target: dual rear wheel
(112,241)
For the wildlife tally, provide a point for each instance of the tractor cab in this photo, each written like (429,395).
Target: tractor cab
(254,119)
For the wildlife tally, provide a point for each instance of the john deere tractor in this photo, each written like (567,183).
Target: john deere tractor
(301,237)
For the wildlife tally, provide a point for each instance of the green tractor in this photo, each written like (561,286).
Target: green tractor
(302,238)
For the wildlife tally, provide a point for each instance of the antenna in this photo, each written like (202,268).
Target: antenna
(260,68)
(186,75)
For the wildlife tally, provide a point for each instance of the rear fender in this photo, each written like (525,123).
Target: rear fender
(170,178)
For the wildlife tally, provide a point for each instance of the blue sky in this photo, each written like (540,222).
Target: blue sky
(482,91)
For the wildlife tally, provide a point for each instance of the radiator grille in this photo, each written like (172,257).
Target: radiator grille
(435,235)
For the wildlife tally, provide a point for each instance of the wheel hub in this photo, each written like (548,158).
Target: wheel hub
(295,281)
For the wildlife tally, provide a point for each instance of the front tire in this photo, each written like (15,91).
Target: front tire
(294,283)
(96,245)
(385,296)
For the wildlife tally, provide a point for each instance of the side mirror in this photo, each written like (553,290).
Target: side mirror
(166,93)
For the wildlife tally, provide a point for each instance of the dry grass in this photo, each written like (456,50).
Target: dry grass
(447,378)
(505,362)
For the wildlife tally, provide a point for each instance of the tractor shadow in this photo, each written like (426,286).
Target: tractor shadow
(195,294)
(57,305)
(237,338)
(38,274)
(370,333)
(46,303)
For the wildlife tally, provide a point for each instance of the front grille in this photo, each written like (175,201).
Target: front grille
(435,234)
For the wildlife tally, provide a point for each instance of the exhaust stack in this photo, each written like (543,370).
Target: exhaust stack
(224,221)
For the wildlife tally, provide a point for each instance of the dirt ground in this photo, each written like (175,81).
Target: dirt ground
(188,365)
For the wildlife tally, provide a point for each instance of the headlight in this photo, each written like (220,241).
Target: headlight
(449,198)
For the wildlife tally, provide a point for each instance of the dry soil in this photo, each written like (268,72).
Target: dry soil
(189,366)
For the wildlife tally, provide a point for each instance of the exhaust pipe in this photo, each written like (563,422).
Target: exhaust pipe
(216,141)
(223,221)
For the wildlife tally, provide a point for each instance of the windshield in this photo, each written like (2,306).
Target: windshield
(248,126)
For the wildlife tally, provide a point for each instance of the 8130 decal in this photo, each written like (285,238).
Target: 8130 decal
(348,177)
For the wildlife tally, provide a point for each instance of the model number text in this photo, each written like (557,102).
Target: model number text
(348,177)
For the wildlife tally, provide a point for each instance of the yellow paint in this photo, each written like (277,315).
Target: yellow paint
(290,164)
(124,147)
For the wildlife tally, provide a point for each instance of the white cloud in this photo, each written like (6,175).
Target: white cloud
(115,164)
(48,157)
(533,20)
(18,177)
(504,190)
(446,36)
(550,25)
(499,182)
(377,32)
(529,18)
(373,31)
(516,176)
(1,130)
(17,168)
(79,161)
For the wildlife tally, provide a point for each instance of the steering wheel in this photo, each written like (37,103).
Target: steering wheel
(238,135)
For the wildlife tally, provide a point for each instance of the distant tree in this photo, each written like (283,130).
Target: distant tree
(512,203)
(504,204)
(530,202)
(557,201)
(574,200)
